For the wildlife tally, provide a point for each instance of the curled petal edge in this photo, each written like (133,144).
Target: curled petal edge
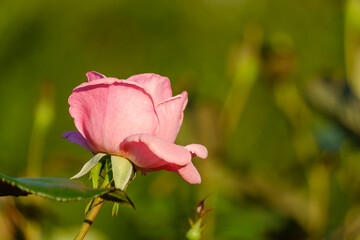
(91,76)
(188,172)
(149,152)
(197,150)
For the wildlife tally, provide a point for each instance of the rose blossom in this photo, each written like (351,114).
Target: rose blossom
(137,118)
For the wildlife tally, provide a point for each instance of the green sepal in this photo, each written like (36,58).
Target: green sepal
(115,209)
(194,232)
(108,178)
(90,164)
(95,174)
(122,170)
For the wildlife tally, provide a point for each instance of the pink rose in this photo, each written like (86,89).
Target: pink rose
(137,118)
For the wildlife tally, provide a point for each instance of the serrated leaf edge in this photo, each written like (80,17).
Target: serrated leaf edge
(15,184)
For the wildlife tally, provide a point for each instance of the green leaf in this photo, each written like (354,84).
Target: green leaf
(89,165)
(59,189)
(117,195)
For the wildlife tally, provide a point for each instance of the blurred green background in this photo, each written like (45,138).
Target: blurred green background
(273,94)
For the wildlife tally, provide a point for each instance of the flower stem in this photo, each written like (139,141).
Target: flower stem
(89,218)
(121,170)
(91,214)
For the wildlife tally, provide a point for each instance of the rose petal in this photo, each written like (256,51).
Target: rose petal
(147,152)
(94,84)
(77,138)
(171,116)
(158,86)
(91,76)
(197,150)
(188,172)
(108,110)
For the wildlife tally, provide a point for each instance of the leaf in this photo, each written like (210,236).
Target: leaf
(7,189)
(117,195)
(59,189)
(89,165)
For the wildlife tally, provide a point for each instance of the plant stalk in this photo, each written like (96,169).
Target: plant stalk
(89,218)
(121,175)
(91,214)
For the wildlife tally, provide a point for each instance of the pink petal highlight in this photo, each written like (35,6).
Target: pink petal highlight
(148,152)
(197,150)
(108,110)
(77,138)
(171,116)
(91,76)
(158,86)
